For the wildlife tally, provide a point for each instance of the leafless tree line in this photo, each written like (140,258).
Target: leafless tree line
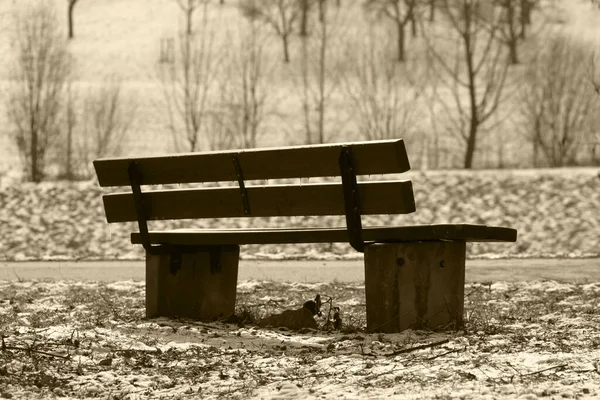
(218,91)
(47,118)
(560,104)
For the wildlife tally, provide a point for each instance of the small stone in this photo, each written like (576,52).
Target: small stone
(107,362)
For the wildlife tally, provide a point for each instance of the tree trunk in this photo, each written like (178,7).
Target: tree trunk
(436,149)
(69,175)
(527,6)
(536,147)
(400,28)
(525,18)
(305,105)
(413,22)
(322,71)
(512,46)
(286,53)
(34,152)
(513,39)
(474,117)
(304,6)
(70,18)
(431,10)
(471,142)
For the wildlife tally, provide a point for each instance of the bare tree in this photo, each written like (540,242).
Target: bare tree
(515,16)
(526,8)
(319,80)
(188,7)
(558,101)
(71,121)
(40,75)
(280,15)
(432,4)
(511,27)
(383,94)
(473,68)
(107,119)
(95,124)
(244,90)
(305,6)
(187,83)
(400,12)
(72,4)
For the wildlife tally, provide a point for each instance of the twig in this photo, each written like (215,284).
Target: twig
(382,373)
(585,371)
(420,347)
(29,350)
(443,354)
(476,290)
(560,366)
(110,305)
(19,279)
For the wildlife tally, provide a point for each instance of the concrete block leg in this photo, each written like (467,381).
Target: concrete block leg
(199,285)
(418,285)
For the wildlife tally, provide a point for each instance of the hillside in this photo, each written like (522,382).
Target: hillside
(554,211)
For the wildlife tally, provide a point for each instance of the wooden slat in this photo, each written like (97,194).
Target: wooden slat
(376,157)
(459,232)
(383,197)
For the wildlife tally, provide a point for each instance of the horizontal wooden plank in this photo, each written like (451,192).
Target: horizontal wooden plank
(376,197)
(375,157)
(209,237)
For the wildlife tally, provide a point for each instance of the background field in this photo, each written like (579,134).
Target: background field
(121,39)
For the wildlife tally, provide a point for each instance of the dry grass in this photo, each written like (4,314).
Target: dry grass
(83,340)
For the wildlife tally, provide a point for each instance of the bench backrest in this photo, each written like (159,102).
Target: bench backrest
(346,160)
(375,157)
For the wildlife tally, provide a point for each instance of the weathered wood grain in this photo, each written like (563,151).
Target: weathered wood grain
(414,285)
(192,290)
(385,197)
(374,157)
(458,232)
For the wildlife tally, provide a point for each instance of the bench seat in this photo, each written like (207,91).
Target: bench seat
(212,237)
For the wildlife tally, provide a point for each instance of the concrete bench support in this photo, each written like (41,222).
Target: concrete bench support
(190,285)
(416,285)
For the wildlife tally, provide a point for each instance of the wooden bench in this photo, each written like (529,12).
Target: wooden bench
(414,275)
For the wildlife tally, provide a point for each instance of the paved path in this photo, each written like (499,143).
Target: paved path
(572,270)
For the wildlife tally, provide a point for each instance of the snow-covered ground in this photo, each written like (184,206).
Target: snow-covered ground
(556,213)
(82,340)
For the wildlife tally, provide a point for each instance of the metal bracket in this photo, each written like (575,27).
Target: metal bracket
(175,252)
(176,256)
(351,199)
(175,262)
(135,179)
(240,179)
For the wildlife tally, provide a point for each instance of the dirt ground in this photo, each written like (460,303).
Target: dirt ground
(564,270)
(78,340)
